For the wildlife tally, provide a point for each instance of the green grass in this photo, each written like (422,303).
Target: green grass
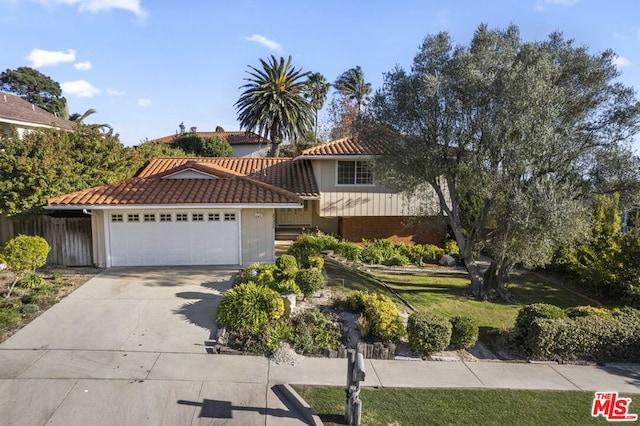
(449,296)
(403,406)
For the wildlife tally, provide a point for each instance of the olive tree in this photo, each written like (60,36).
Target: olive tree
(506,133)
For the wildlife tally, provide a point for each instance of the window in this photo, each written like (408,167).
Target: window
(165,217)
(133,217)
(117,218)
(149,217)
(182,217)
(214,217)
(355,173)
(229,217)
(197,217)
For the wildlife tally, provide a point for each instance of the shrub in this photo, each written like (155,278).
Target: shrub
(285,285)
(603,338)
(30,309)
(316,262)
(428,332)
(585,311)
(530,313)
(309,281)
(33,281)
(286,266)
(355,301)
(259,273)
(24,253)
(372,255)
(451,248)
(310,245)
(277,333)
(249,306)
(348,250)
(9,316)
(383,315)
(398,260)
(464,332)
(432,252)
(313,332)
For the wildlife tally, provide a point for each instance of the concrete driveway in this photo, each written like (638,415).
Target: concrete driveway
(131,347)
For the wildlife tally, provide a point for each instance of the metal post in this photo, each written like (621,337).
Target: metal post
(355,375)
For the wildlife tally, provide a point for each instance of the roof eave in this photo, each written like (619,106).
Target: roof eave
(174,206)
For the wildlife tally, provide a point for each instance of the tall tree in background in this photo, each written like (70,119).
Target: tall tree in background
(79,118)
(273,102)
(505,133)
(316,93)
(35,87)
(352,85)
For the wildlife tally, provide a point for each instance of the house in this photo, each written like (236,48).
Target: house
(22,115)
(227,211)
(243,144)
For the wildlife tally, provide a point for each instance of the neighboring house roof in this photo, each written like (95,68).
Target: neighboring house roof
(345,147)
(15,110)
(293,176)
(234,138)
(223,188)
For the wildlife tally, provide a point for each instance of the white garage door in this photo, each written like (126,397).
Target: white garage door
(163,238)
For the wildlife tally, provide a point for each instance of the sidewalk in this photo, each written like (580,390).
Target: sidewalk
(74,387)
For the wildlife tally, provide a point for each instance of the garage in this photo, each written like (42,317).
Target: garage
(174,237)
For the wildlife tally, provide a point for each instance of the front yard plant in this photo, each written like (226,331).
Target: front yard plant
(380,318)
(428,333)
(249,306)
(23,254)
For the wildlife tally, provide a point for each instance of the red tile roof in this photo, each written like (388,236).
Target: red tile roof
(15,108)
(159,191)
(345,147)
(234,138)
(294,176)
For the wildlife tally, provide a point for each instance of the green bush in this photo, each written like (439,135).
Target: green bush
(433,252)
(277,333)
(309,281)
(24,253)
(33,281)
(249,306)
(398,260)
(428,332)
(603,338)
(528,314)
(30,309)
(313,332)
(585,311)
(311,245)
(259,273)
(9,316)
(285,285)
(316,262)
(464,332)
(377,252)
(286,266)
(381,317)
(348,250)
(451,248)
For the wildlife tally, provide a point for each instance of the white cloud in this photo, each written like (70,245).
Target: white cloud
(619,36)
(269,44)
(144,102)
(111,92)
(97,6)
(42,58)
(80,88)
(83,66)
(621,61)
(541,3)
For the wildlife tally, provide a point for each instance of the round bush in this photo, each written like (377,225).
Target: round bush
(464,332)
(428,332)
(355,301)
(287,266)
(309,281)
(528,314)
(384,318)
(249,306)
(259,273)
(285,285)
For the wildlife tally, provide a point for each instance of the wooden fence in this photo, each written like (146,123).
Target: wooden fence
(69,237)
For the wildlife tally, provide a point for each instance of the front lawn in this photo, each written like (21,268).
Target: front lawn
(405,406)
(449,296)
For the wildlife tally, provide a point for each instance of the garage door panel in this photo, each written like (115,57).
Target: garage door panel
(175,243)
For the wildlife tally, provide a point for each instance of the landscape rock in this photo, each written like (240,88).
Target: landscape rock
(447,260)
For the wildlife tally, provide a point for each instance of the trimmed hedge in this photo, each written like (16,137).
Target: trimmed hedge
(428,332)
(464,332)
(614,337)
(530,313)
(309,281)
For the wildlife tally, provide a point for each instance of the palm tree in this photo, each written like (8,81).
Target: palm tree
(273,102)
(79,118)
(104,128)
(316,93)
(351,85)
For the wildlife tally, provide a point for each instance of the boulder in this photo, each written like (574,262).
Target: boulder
(447,260)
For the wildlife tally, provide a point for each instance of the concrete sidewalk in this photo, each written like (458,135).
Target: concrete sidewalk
(73,387)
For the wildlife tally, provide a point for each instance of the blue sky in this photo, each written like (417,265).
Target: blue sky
(146,66)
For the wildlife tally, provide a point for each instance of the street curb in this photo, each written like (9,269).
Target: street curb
(309,416)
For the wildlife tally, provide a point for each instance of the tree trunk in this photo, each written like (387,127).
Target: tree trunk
(275,149)
(13,284)
(493,283)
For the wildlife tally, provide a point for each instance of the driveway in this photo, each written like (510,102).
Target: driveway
(130,347)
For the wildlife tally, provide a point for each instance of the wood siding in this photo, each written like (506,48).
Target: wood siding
(69,237)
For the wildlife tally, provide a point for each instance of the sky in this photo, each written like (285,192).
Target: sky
(146,66)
